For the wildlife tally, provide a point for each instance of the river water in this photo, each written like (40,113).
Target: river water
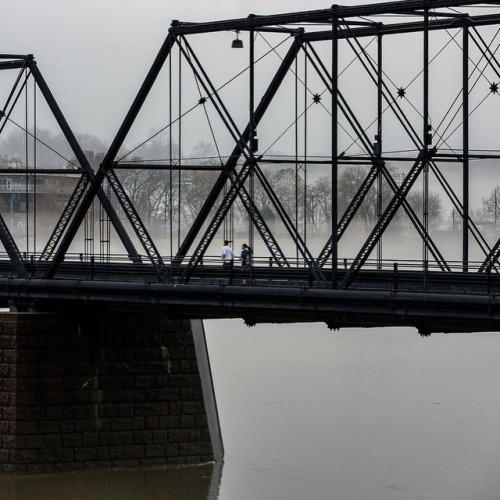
(306,413)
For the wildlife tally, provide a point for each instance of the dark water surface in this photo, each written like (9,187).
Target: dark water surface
(189,483)
(376,414)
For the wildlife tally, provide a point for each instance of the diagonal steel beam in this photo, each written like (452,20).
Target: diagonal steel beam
(253,212)
(12,249)
(491,259)
(237,189)
(12,99)
(237,152)
(301,246)
(248,204)
(378,166)
(424,156)
(5,235)
(480,240)
(65,217)
(77,193)
(105,171)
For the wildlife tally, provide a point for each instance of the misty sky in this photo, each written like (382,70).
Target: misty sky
(95,54)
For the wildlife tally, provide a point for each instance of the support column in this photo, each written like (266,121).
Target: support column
(97,390)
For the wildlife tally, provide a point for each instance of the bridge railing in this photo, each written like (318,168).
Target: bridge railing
(343,263)
(387,274)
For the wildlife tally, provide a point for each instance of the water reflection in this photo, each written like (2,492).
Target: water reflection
(186,483)
(360,414)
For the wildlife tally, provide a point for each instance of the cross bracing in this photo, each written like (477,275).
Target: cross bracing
(342,138)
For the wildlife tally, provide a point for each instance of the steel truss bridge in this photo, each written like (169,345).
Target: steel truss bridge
(368,114)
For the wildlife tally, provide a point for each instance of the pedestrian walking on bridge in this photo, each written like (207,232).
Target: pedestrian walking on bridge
(227,253)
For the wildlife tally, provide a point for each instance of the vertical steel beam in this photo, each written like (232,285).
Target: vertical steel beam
(296,147)
(378,141)
(334,146)
(243,140)
(179,141)
(253,132)
(465,140)
(255,217)
(368,181)
(237,151)
(426,139)
(416,139)
(305,150)
(170,157)
(491,259)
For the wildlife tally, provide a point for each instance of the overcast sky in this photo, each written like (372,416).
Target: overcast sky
(94,54)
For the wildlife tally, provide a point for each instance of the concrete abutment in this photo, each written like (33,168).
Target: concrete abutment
(94,390)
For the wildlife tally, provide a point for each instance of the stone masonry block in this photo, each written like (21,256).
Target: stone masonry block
(155,450)
(129,452)
(96,389)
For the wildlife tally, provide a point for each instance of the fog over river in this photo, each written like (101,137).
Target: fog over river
(306,413)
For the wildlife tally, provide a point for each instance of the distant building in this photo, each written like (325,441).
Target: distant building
(19,192)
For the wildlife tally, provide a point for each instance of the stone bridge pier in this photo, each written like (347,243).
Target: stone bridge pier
(87,389)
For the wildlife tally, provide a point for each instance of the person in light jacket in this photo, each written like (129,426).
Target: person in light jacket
(227,253)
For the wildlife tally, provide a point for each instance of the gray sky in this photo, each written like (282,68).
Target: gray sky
(95,54)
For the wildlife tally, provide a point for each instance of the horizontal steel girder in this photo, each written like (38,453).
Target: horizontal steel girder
(337,308)
(254,22)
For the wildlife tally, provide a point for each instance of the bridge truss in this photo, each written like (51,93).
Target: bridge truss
(334,142)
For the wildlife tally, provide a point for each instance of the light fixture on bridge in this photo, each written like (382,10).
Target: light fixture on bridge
(237,43)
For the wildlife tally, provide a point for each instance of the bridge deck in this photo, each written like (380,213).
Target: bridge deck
(430,301)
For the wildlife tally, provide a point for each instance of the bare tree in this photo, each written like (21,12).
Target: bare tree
(490,210)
